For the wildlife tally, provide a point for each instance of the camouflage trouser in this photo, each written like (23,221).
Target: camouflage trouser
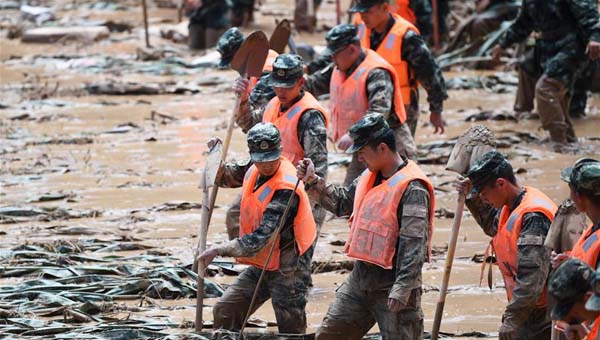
(552,99)
(354,312)
(405,145)
(288,294)
(232,218)
(538,326)
(412,117)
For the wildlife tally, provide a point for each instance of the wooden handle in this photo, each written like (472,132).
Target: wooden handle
(199,298)
(460,204)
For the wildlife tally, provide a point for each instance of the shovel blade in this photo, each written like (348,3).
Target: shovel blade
(250,59)
(280,36)
(469,148)
(211,168)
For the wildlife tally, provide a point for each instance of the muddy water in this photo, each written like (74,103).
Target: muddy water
(126,175)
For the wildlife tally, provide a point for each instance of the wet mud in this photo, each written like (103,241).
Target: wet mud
(101,154)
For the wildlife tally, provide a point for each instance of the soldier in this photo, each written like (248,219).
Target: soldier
(565,28)
(570,287)
(228,45)
(584,184)
(393,197)
(360,83)
(267,186)
(517,218)
(399,42)
(207,23)
(296,113)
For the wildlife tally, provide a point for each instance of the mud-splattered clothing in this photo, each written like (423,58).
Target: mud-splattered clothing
(364,300)
(287,287)
(533,265)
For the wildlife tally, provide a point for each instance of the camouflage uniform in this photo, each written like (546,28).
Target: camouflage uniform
(566,228)
(568,285)
(287,287)
(380,94)
(565,27)
(533,259)
(312,135)
(423,68)
(362,299)
(207,23)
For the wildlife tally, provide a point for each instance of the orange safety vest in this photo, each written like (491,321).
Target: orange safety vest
(374,225)
(267,67)
(391,50)
(287,123)
(587,248)
(509,228)
(594,333)
(402,8)
(254,203)
(348,95)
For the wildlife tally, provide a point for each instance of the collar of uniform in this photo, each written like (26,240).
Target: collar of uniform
(360,59)
(376,38)
(283,109)
(380,177)
(519,199)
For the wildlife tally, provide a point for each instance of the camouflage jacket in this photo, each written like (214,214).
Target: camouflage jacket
(232,176)
(566,26)
(421,64)
(533,266)
(262,92)
(380,89)
(403,281)
(311,132)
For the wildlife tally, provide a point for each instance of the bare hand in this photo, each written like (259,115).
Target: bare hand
(394,305)
(345,142)
(206,258)
(593,50)
(507,332)
(576,332)
(213,141)
(497,53)
(305,170)
(463,186)
(435,118)
(240,86)
(557,259)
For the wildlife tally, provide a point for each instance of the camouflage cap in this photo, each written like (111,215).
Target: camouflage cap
(361,6)
(593,303)
(228,45)
(370,127)
(264,142)
(487,169)
(567,285)
(341,36)
(583,176)
(287,69)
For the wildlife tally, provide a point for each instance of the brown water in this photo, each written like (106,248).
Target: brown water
(122,173)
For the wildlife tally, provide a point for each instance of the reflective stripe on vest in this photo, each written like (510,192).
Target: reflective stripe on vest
(348,95)
(391,50)
(509,228)
(374,226)
(587,248)
(267,67)
(287,123)
(254,204)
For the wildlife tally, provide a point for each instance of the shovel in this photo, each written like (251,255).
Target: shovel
(468,149)
(249,61)
(281,37)
(207,180)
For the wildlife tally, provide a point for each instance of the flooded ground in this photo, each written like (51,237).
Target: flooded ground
(125,168)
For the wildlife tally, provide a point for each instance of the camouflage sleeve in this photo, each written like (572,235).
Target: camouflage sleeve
(588,19)
(425,68)
(262,91)
(519,30)
(413,214)
(318,82)
(380,92)
(423,13)
(318,64)
(252,243)
(532,269)
(231,175)
(249,115)
(484,214)
(335,198)
(313,138)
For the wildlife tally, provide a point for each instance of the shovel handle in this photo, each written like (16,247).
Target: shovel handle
(439,310)
(199,297)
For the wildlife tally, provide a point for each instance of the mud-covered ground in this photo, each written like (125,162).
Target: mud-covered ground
(106,183)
